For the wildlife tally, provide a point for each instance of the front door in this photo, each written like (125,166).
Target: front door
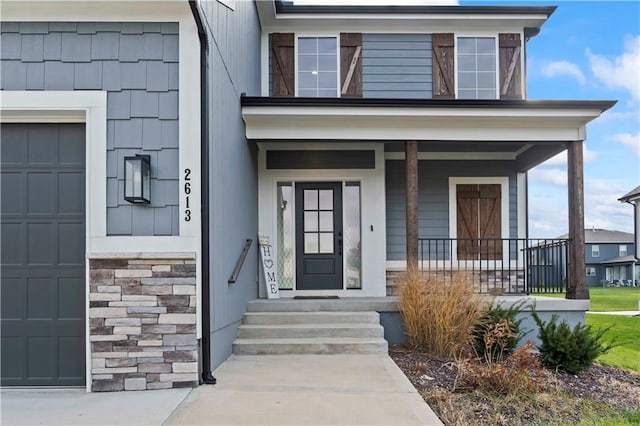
(319,236)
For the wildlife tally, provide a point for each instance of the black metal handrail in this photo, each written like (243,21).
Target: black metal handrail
(499,265)
(243,256)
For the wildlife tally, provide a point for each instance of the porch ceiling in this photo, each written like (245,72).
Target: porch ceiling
(527,132)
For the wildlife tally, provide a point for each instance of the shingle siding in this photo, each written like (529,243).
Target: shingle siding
(136,63)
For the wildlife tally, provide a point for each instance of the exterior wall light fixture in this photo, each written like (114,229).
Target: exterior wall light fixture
(137,179)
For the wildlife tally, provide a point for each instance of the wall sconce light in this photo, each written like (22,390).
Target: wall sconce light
(137,179)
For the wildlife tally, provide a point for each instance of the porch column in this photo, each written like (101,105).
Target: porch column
(576,285)
(411,162)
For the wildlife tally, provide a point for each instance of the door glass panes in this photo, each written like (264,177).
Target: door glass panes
(285,236)
(317,67)
(352,241)
(476,68)
(318,221)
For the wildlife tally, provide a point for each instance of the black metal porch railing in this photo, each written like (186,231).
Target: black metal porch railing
(499,265)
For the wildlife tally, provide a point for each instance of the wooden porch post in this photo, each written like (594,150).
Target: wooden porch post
(411,162)
(576,285)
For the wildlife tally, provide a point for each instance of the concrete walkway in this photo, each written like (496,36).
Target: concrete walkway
(77,407)
(619,313)
(306,390)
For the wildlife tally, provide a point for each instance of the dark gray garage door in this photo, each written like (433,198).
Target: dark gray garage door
(43,251)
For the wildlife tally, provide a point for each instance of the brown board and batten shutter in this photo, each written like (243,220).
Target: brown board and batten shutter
(467,221)
(479,222)
(283,65)
(489,209)
(510,49)
(351,65)
(443,71)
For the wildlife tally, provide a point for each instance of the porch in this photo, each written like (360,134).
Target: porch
(439,186)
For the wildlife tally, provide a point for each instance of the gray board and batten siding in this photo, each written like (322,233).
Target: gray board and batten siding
(393,66)
(137,64)
(433,198)
(234,44)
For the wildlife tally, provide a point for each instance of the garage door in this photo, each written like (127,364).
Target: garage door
(43,251)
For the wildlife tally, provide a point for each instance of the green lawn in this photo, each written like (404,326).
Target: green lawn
(625,331)
(609,299)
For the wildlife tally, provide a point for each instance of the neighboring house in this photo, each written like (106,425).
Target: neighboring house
(609,257)
(362,140)
(633,197)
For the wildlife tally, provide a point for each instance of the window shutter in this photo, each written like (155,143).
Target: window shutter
(510,70)
(351,65)
(443,72)
(282,64)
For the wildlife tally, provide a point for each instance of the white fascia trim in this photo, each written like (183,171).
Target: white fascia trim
(504,156)
(394,23)
(264,69)
(503,181)
(522,204)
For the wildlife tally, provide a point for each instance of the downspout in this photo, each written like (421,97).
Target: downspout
(207,376)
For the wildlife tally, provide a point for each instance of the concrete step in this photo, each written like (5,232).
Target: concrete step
(267,318)
(316,346)
(347,304)
(278,331)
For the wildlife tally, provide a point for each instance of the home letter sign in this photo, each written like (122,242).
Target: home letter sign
(268,266)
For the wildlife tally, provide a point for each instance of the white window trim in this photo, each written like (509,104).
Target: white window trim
(626,250)
(496,36)
(455,57)
(593,251)
(591,271)
(503,181)
(295,58)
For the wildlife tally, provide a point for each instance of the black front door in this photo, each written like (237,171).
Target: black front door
(319,236)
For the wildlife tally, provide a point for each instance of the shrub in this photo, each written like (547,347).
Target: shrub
(517,375)
(497,332)
(439,313)
(571,350)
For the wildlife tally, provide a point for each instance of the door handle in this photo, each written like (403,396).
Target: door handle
(340,243)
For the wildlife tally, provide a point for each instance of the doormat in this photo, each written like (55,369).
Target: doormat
(315,297)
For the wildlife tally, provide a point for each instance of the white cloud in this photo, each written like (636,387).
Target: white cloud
(632,141)
(561,158)
(602,208)
(622,71)
(551,175)
(563,68)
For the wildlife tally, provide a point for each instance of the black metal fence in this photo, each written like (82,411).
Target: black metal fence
(499,265)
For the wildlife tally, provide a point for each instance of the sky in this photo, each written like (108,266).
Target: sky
(587,50)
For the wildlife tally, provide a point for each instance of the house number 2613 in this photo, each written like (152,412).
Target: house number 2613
(187,192)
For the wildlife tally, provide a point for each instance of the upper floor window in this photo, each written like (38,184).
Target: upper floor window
(595,250)
(476,59)
(317,67)
(622,250)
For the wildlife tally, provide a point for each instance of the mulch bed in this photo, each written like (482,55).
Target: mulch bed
(615,389)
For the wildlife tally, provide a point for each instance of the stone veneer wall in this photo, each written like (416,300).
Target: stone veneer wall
(142,318)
